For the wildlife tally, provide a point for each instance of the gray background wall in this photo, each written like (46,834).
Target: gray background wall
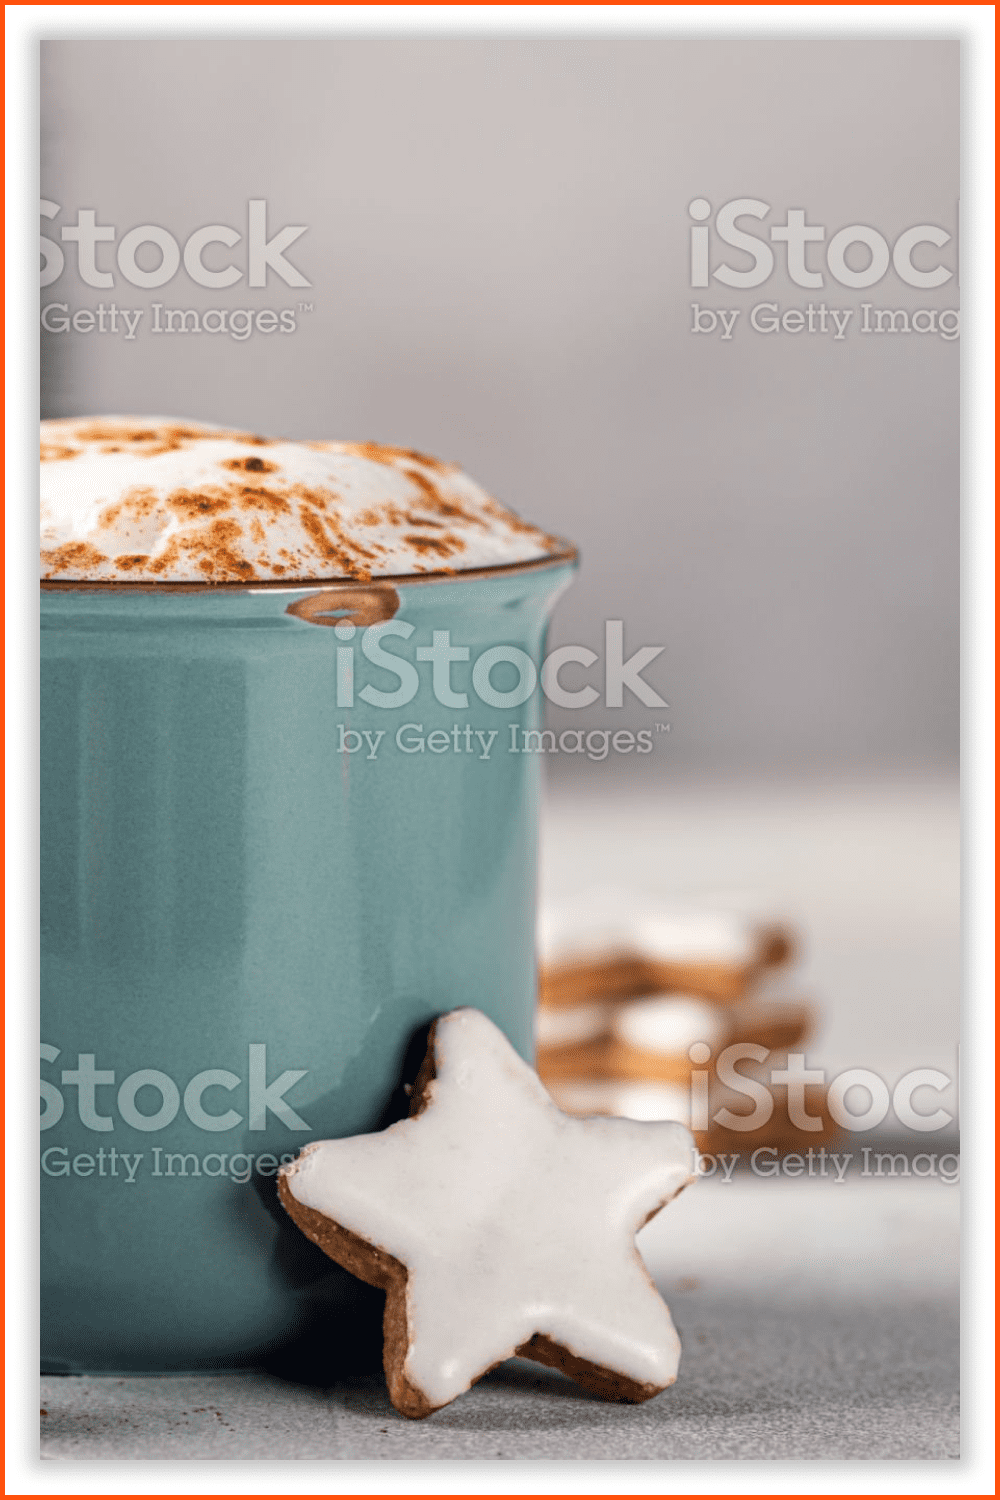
(498,251)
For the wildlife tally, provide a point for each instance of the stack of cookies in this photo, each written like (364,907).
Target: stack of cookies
(645,1009)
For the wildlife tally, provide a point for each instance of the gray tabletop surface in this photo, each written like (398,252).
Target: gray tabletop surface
(818,1320)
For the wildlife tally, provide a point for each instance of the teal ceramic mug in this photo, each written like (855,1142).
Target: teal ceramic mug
(281,830)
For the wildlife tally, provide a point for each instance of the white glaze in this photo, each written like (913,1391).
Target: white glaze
(669,1024)
(593,926)
(604,924)
(571,1025)
(511,1217)
(691,935)
(118,489)
(626,1099)
(666,1024)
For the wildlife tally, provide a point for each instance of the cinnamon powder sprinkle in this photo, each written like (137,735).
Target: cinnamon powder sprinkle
(192,507)
(252,465)
(72,555)
(138,504)
(255,497)
(330,551)
(382,453)
(440,546)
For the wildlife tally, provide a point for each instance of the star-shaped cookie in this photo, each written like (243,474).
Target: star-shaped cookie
(498,1225)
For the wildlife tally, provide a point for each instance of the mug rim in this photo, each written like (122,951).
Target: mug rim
(566,553)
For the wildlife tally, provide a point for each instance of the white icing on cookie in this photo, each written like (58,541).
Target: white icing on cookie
(592,926)
(141,499)
(511,1218)
(669,1024)
(570,1025)
(695,936)
(604,924)
(626,1099)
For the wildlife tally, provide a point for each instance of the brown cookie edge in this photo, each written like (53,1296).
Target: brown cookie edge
(597,1379)
(372,1264)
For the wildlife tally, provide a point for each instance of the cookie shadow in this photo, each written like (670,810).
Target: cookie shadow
(503,1401)
(519,1396)
(338,1332)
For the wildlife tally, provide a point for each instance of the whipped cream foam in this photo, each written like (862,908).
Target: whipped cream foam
(134,500)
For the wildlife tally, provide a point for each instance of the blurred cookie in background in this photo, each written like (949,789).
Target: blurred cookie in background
(619,1033)
(615,945)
